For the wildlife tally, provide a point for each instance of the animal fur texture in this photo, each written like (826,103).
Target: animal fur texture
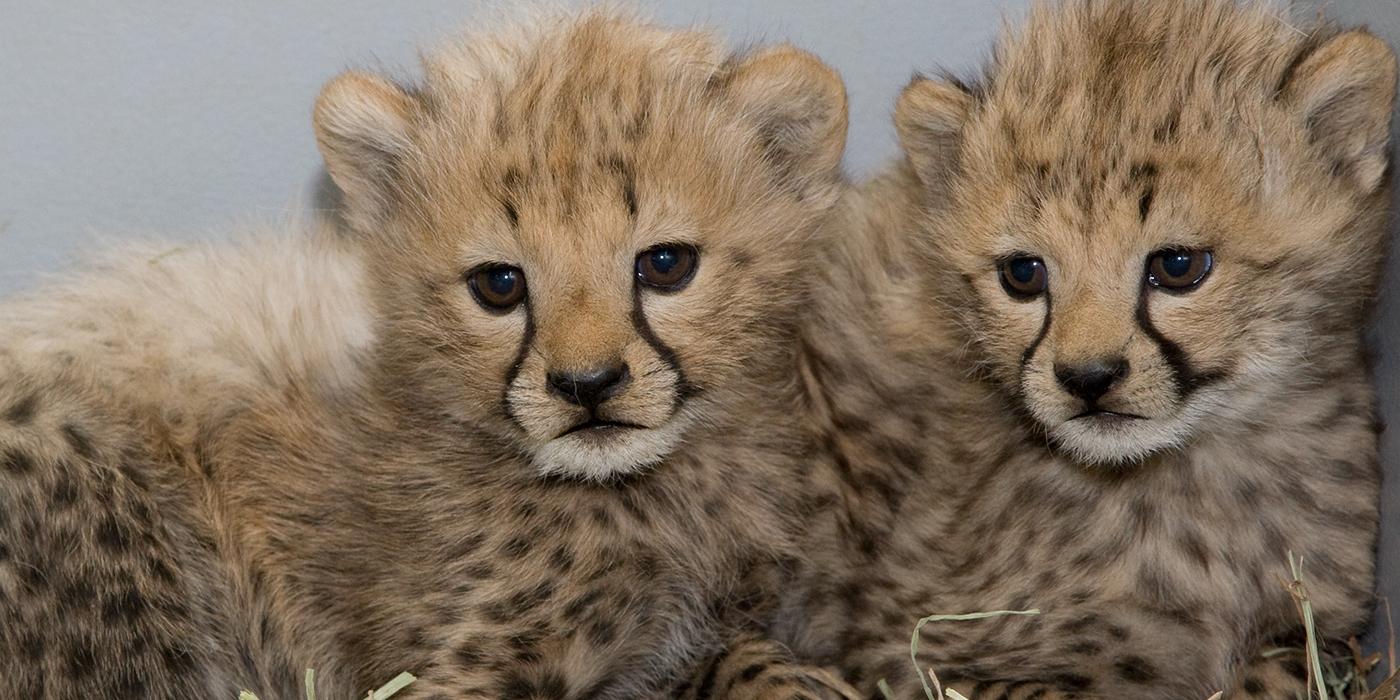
(1135,460)
(326,449)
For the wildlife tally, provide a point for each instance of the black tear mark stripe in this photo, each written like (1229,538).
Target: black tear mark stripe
(1185,377)
(684,389)
(515,366)
(1029,354)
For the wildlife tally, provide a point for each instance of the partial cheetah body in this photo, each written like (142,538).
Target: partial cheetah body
(222,467)
(1155,548)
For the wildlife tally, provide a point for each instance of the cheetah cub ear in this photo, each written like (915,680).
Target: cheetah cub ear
(799,107)
(362,128)
(1344,91)
(929,118)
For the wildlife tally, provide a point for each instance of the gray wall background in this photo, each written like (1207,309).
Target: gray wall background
(192,119)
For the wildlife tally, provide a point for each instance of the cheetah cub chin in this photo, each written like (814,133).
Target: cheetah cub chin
(1096,348)
(524,427)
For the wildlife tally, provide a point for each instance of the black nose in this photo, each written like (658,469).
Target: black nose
(591,387)
(1091,380)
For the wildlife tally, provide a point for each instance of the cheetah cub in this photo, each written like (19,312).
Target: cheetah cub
(1096,348)
(523,428)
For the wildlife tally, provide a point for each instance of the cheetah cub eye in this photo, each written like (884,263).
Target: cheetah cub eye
(498,288)
(667,267)
(1179,270)
(1024,276)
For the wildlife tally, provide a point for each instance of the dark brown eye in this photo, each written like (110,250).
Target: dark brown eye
(667,267)
(1024,276)
(1179,269)
(498,288)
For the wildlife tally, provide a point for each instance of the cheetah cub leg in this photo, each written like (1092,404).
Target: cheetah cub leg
(1012,690)
(756,668)
(1281,677)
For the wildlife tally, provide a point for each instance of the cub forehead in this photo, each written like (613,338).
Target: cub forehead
(574,118)
(1124,56)
(570,84)
(1091,80)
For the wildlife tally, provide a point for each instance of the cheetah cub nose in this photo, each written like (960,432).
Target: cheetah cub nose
(1091,380)
(590,388)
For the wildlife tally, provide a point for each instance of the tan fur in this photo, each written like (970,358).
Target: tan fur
(1155,548)
(224,466)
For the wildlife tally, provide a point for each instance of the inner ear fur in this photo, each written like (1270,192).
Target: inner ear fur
(930,117)
(1344,91)
(799,104)
(362,126)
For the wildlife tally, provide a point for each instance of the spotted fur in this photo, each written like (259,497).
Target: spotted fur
(223,466)
(1155,548)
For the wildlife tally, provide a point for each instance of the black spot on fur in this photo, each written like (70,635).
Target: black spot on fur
(553,685)
(23,411)
(1295,667)
(202,456)
(113,535)
(512,214)
(602,517)
(516,547)
(1073,681)
(123,608)
(466,546)
(77,595)
(562,560)
(469,656)
(706,688)
(580,605)
(82,658)
(625,176)
(78,440)
(161,572)
(1142,173)
(530,598)
(178,661)
(64,493)
(601,631)
(1190,542)
(752,672)
(32,646)
(16,462)
(1135,669)
(1145,202)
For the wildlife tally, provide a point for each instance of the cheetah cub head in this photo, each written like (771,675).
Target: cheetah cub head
(585,235)
(1162,218)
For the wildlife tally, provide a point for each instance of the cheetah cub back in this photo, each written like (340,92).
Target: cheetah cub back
(1119,289)
(549,436)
